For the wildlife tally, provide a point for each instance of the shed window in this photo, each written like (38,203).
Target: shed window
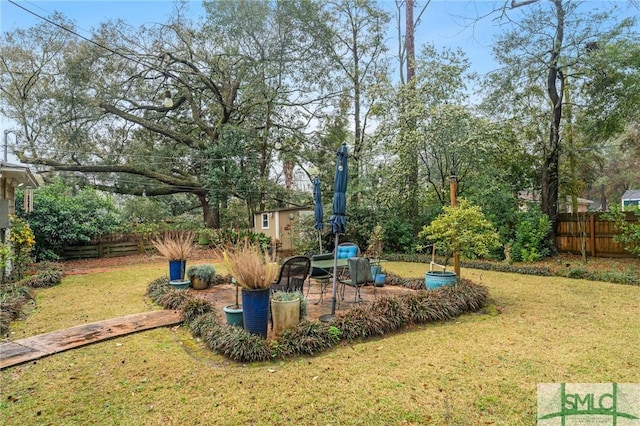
(265,220)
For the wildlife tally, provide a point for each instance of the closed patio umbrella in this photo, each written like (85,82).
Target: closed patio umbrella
(338,219)
(317,200)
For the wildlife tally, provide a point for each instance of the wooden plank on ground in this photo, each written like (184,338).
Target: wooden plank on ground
(31,348)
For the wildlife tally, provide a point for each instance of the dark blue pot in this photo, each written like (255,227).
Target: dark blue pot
(255,310)
(176,269)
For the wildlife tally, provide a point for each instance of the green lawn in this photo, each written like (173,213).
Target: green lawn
(479,369)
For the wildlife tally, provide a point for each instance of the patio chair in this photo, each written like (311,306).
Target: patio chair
(359,276)
(347,250)
(293,273)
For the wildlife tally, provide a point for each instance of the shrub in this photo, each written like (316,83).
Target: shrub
(307,338)
(399,235)
(174,299)
(205,273)
(157,288)
(195,307)
(204,322)
(240,345)
(65,216)
(13,297)
(532,230)
(43,279)
(628,233)
(21,240)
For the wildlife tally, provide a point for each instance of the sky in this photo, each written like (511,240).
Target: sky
(441,24)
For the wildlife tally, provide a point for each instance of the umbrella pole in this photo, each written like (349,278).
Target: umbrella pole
(330,317)
(320,240)
(335,277)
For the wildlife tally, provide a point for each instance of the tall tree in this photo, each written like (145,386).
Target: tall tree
(248,74)
(546,41)
(358,49)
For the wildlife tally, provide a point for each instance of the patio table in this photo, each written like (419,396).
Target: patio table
(326,266)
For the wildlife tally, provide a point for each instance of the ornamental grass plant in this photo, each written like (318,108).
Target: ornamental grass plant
(174,245)
(251,267)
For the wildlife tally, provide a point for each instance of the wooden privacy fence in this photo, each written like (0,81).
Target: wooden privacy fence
(590,229)
(106,249)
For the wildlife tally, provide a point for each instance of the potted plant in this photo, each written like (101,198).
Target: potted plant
(374,250)
(176,246)
(233,313)
(287,308)
(201,276)
(462,228)
(254,271)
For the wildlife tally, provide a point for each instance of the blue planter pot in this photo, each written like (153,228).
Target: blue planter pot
(436,279)
(375,270)
(176,269)
(379,280)
(180,284)
(255,310)
(233,315)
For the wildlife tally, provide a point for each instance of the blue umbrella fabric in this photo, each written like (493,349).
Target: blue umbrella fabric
(338,219)
(317,200)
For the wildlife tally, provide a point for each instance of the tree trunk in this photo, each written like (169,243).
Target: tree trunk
(412,160)
(409,41)
(210,216)
(550,171)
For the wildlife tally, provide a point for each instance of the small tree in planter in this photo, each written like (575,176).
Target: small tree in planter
(463,228)
(233,313)
(376,241)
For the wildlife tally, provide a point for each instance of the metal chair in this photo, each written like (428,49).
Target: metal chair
(359,276)
(293,273)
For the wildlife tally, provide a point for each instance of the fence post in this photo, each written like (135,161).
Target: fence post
(592,234)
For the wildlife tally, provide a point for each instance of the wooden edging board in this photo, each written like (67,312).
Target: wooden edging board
(32,348)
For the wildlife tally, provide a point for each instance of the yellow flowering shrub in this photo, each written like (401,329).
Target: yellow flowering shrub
(21,240)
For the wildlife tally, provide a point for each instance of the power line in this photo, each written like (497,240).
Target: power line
(62,27)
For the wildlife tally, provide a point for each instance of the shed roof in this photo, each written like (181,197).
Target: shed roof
(631,194)
(285,209)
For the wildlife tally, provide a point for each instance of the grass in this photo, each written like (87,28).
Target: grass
(479,369)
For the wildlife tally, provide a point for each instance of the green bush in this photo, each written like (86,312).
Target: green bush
(195,307)
(530,243)
(65,216)
(307,338)
(157,289)
(174,299)
(628,232)
(43,279)
(399,235)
